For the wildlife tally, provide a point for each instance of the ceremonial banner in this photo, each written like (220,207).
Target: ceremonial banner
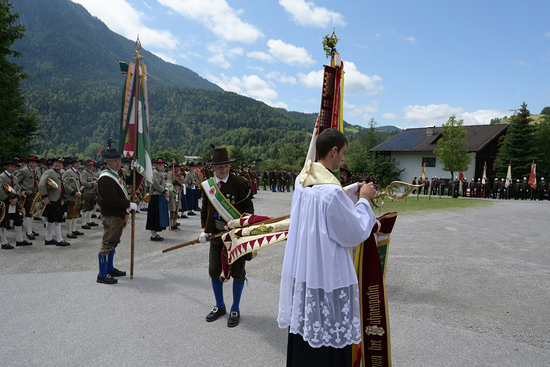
(484,179)
(372,254)
(422,174)
(134,132)
(509,176)
(533,176)
(331,114)
(241,241)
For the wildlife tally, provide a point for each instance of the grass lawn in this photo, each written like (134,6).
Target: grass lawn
(411,204)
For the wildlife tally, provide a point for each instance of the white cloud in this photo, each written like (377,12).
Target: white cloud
(121,18)
(356,82)
(165,57)
(313,79)
(281,77)
(518,62)
(250,86)
(411,40)
(436,115)
(364,111)
(547,35)
(221,53)
(482,117)
(307,14)
(289,54)
(390,116)
(260,56)
(217,16)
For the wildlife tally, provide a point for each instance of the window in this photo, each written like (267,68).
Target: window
(430,162)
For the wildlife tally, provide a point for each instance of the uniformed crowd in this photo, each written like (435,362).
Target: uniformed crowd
(520,190)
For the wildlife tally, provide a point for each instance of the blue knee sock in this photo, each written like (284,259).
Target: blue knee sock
(237,292)
(110,265)
(217,286)
(102,265)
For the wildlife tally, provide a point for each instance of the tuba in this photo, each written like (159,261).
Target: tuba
(37,206)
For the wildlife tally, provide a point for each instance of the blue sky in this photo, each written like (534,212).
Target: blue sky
(407,63)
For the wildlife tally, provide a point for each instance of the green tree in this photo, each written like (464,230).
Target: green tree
(518,147)
(545,111)
(19,126)
(450,147)
(92,151)
(386,170)
(542,142)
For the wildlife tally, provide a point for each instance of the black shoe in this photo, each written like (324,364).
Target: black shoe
(7,246)
(23,243)
(86,226)
(157,238)
(184,216)
(94,216)
(107,279)
(92,224)
(63,243)
(177,224)
(71,235)
(37,218)
(50,242)
(191,213)
(31,237)
(215,314)
(78,233)
(35,234)
(144,209)
(234,318)
(117,273)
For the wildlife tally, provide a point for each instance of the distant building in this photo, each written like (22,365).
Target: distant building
(414,147)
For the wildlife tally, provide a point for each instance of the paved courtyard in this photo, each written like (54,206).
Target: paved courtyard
(464,287)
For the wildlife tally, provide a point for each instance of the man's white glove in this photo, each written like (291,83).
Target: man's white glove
(133,206)
(202,237)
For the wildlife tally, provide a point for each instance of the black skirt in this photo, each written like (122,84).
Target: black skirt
(301,354)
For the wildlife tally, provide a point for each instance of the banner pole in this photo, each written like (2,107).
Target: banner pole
(136,129)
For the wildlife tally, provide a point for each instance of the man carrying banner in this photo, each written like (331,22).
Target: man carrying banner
(115,204)
(319,294)
(226,197)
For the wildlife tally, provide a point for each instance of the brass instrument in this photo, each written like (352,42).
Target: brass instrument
(37,206)
(397,191)
(74,184)
(147,198)
(22,206)
(3,208)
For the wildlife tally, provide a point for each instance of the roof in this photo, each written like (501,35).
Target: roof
(421,139)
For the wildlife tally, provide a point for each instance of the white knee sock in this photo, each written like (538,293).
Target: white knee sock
(19,233)
(49,231)
(28,225)
(57,229)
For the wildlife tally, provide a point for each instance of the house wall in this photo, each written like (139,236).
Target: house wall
(411,162)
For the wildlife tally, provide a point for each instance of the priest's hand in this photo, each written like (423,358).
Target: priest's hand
(367,191)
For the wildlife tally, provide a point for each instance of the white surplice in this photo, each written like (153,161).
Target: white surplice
(319,294)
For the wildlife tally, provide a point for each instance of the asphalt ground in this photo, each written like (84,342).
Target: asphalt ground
(464,287)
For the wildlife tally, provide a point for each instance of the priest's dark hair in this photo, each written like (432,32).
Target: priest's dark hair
(329,139)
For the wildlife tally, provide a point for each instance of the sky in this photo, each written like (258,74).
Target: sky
(407,63)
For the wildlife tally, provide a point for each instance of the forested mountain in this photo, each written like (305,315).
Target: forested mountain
(75,83)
